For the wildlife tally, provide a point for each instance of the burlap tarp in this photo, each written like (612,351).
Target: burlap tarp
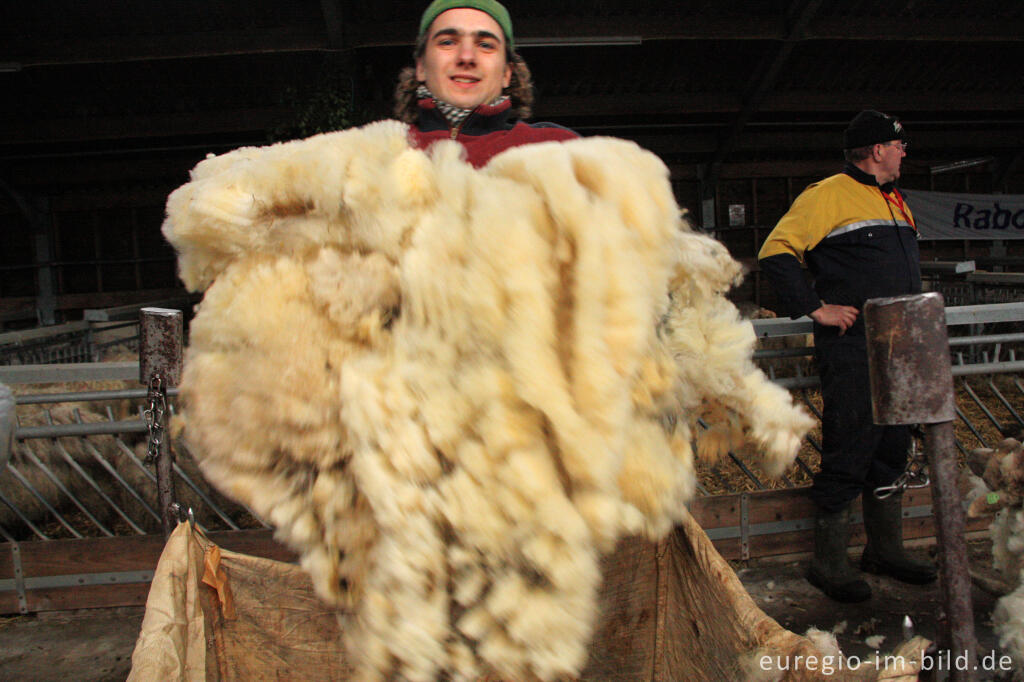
(672,610)
(264,622)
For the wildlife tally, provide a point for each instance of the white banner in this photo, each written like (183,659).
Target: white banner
(945,215)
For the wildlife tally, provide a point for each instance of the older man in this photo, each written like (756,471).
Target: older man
(469,84)
(857,237)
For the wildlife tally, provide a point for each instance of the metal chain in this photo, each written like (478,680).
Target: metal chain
(154,415)
(183,514)
(915,474)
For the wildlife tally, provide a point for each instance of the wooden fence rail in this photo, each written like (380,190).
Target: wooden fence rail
(62,575)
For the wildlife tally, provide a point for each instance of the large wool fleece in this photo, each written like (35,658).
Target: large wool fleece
(450,389)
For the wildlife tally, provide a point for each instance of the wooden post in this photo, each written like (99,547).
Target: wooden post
(160,357)
(912,383)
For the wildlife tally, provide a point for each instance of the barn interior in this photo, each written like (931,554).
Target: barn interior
(108,105)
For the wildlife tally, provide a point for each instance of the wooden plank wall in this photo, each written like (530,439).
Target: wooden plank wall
(779,522)
(720,513)
(77,560)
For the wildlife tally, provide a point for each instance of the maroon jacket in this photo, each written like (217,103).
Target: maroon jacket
(486,132)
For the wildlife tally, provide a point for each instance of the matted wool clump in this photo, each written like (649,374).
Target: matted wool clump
(453,389)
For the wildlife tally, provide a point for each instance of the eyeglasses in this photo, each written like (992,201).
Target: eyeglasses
(902,145)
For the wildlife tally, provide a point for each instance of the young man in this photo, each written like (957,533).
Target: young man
(857,237)
(469,84)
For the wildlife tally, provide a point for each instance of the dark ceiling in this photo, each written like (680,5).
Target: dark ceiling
(107,104)
(718,88)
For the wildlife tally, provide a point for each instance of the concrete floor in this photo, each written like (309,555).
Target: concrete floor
(784,594)
(89,645)
(96,645)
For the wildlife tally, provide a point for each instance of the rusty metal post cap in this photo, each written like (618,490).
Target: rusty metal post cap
(908,359)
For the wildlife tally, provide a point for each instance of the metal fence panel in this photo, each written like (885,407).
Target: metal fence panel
(93,480)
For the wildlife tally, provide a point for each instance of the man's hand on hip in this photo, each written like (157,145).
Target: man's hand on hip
(830,315)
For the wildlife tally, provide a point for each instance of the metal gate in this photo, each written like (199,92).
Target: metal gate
(78,475)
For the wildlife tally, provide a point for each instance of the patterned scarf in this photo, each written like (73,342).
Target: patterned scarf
(453,114)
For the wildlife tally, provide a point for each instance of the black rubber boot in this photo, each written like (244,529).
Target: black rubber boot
(884,554)
(830,569)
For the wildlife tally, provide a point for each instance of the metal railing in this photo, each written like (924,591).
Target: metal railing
(77,470)
(98,334)
(91,477)
(80,472)
(978,357)
(73,342)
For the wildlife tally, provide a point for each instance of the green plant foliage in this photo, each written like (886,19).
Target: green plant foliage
(323,106)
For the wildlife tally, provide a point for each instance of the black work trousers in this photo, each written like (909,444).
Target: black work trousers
(856,453)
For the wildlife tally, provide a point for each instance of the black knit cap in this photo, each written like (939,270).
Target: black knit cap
(872,127)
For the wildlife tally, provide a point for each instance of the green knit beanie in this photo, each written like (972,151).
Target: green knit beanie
(494,8)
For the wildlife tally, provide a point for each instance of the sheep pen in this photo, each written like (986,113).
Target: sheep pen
(469,386)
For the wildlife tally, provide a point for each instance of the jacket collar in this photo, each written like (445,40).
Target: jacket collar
(867,178)
(484,119)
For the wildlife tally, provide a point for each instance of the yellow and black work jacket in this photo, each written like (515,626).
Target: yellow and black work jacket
(857,239)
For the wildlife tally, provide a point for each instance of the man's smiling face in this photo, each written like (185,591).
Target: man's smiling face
(464,60)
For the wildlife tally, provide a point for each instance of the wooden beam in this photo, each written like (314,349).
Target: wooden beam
(975,29)
(127,564)
(685,138)
(927,144)
(948,102)
(778,522)
(1009,167)
(333,23)
(136,197)
(32,52)
(762,169)
(23,307)
(256,121)
(801,12)
(37,51)
(227,121)
(113,167)
(530,30)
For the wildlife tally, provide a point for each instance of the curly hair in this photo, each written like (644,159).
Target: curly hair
(519,90)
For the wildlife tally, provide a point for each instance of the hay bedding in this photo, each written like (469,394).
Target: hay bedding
(728,478)
(452,390)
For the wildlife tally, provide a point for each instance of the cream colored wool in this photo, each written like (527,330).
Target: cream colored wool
(1001,490)
(1007,531)
(452,390)
(766,665)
